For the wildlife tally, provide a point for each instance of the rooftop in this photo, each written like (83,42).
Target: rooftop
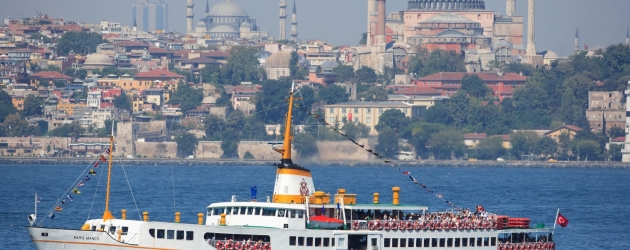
(371,104)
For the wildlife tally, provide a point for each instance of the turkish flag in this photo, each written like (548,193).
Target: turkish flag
(562,221)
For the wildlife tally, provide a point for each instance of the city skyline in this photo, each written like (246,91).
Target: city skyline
(555,25)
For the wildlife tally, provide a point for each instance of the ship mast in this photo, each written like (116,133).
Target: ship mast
(286,153)
(107,215)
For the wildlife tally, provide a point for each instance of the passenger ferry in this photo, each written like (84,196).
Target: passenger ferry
(298,217)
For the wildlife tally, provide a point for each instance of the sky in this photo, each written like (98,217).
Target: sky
(341,22)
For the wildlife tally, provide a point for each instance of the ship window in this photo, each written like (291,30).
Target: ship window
(160,233)
(486,241)
(410,242)
(170,234)
(318,242)
(180,234)
(449,242)
(293,213)
(326,242)
(152,232)
(479,242)
(434,242)
(493,241)
(250,210)
(282,212)
(228,210)
(457,242)
(235,210)
(189,235)
(464,242)
(387,242)
(472,242)
(269,212)
(427,242)
(309,241)
(242,210)
(112,229)
(93,228)
(394,242)
(257,211)
(300,214)
(292,241)
(332,242)
(300,241)
(125,230)
(403,242)
(418,242)
(45,234)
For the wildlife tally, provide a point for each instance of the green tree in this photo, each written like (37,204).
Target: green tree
(33,106)
(271,100)
(67,130)
(572,112)
(107,129)
(438,113)
(333,94)
(394,119)
(242,66)
(346,73)
(523,143)
(588,149)
(546,147)
(474,86)
(188,97)
(459,105)
(375,94)
(490,148)
(54,68)
(81,73)
(447,143)
(71,72)
(79,42)
(617,58)
(356,130)
(419,134)
(248,155)
(186,144)
(293,63)
(214,127)
(305,145)
(616,132)
(363,40)
(615,152)
(122,101)
(365,75)
(532,107)
(17,125)
(387,143)
(427,63)
(60,83)
(229,144)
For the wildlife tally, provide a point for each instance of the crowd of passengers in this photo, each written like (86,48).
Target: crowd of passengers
(465,214)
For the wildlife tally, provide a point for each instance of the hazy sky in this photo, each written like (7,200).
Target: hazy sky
(602,22)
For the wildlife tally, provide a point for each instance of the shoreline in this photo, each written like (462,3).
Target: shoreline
(241,162)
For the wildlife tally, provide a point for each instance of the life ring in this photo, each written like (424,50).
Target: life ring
(479,224)
(266,247)
(553,246)
(410,225)
(425,225)
(468,225)
(219,245)
(229,245)
(238,246)
(461,225)
(523,247)
(495,224)
(402,225)
(393,225)
(487,225)
(371,225)
(438,226)
(386,225)
(379,225)
(248,246)
(355,225)
(431,225)
(453,225)
(417,225)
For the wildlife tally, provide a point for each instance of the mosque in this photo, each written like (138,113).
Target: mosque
(225,20)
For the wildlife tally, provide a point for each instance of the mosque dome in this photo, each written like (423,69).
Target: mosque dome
(279,59)
(223,29)
(551,54)
(98,59)
(245,25)
(263,54)
(201,24)
(227,9)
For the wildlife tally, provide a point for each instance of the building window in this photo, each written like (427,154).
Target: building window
(332,110)
(343,110)
(356,110)
(368,110)
(368,120)
(380,111)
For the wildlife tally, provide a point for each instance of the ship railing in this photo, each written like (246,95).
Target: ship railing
(362,224)
(453,225)
(234,244)
(543,245)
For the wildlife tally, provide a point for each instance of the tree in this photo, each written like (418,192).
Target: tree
(67,130)
(546,147)
(33,106)
(375,94)
(123,101)
(474,86)
(305,145)
(616,132)
(242,66)
(188,97)
(572,111)
(523,143)
(615,152)
(79,42)
(427,63)
(17,125)
(617,58)
(293,63)
(54,68)
(438,113)
(459,105)
(214,127)
(70,71)
(186,144)
(394,119)
(81,73)
(333,94)
(356,130)
(364,38)
(271,100)
(346,73)
(387,142)
(419,134)
(490,148)
(447,143)
(588,149)
(365,75)
(229,144)
(532,108)
(59,83)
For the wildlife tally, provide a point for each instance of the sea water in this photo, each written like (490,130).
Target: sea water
(595,200)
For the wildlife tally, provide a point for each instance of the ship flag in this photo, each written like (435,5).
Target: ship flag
(86,178)
(51,215)
(107,151)
(96,164)
(63,202)
(39,199)
(76,191)
(103,159)
(406,173)
(562,221)
(69,197)
(92,172)
(253,191)
(80,184)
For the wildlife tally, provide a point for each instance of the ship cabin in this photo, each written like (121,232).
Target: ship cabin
(125,231)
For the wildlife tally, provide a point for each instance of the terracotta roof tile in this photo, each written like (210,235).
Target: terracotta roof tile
(50,75)
(130,44)
(158,73)
(474,136)
(456,76)
(619,139)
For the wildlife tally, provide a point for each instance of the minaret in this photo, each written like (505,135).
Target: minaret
(531,43)
(283,19)
(510,7)
(294,22)
(189,16)
(380,33)
(576,43)
(207,7)
(371,13)
(628,36)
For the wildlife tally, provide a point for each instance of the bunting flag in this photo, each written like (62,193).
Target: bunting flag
(63,202)
(76,191)
(103,159)
(86,178)
(80,184)
(39,199)
(96,164)
(69,197)
(107,151)
(51,215)
(92,172)
(381,157)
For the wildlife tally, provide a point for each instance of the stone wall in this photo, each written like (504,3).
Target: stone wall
(125,139)
(342,151)
(25,146)
(261,150)
(156,149)
(209,150)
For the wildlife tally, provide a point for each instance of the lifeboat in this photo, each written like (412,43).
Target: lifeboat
(325,222)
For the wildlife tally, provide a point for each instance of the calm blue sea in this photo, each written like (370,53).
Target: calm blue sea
(596,201)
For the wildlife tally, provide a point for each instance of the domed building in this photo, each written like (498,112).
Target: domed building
(224,20)
(277,65)
(97,61)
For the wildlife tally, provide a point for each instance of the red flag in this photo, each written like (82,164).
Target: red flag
(103,159)
(406,172)
(562,221)
(96,164)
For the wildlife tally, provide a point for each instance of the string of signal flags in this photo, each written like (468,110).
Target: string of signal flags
(374,153)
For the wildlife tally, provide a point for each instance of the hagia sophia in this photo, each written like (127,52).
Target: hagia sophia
(224,20)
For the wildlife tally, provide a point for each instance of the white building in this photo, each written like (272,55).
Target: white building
(94,99)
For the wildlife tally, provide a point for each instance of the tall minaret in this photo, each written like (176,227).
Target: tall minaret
(371,13)
(628,36)
(207,7)
(294,22)
(283,19)
(189,16)
(531,43)
(576,43)
(510,7)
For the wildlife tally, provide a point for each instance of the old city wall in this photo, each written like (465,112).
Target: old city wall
(25,146)
(342,151)
(260,150)
(209,150)
(156,149)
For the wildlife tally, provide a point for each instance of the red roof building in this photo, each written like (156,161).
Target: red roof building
(448,83)
(159,74)
(51,76)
